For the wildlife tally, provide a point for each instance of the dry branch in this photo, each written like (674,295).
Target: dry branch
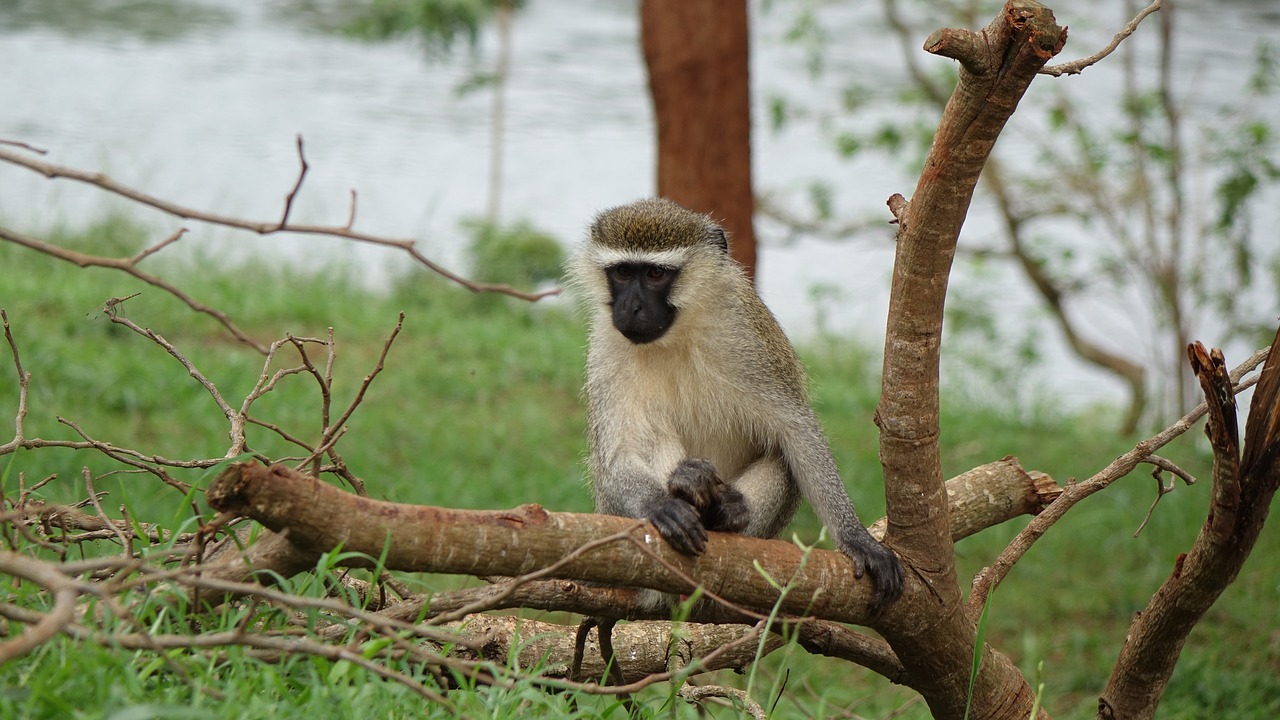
(992,575)
(319,518)
(527,539)
(129,266)
(1243,489)
(99,180)
(651,648)
(480,542)
(1075,67)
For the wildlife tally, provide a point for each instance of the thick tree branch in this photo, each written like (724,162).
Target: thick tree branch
(981,497)
(319,517)
(528,538)
(933,635)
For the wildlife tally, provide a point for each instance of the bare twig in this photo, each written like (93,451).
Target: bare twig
(237,430)
(331,431)
(148,252)
(302,174)
(698,693)
(985,581)
(63,613)
(1168,466)
(47,626)
(410,247)
(127,265)
(1075,67)
(1162,465)
(127,456)
(125,541)
(507,589)
(24,146)
(351,215)
(24,385)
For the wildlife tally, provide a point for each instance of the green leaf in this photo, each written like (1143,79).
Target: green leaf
(848,144)
(777,112)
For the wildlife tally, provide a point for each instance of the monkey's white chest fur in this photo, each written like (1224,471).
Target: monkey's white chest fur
(691,397)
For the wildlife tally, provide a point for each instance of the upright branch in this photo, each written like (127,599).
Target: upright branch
(997,65)
(1243,488)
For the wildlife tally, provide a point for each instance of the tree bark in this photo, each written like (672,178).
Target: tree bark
(929,629)
(307,517)
(696,53)
(318,517)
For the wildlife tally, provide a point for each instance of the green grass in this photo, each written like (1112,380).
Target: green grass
(479,407)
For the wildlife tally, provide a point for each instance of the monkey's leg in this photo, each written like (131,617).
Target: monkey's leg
(770,494)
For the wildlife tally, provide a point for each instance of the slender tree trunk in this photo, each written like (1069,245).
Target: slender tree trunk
(696,52)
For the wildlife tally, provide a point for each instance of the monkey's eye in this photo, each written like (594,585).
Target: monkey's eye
(622,272)
(656,272)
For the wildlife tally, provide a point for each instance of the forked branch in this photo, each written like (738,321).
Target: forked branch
(1243,488)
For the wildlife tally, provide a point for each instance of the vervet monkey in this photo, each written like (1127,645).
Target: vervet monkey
(698,410)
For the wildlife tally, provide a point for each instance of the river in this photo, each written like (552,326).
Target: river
(201,104)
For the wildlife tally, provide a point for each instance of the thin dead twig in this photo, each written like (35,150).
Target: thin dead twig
(127,456)
(331,432)
(62,615)
(992,575)
(288,199)
(1075,67)
(1163,465)
(508,588)
(699,693)
(24,387)
(127,265)
(126,541)
(237,434)
(24,146)
(102,181)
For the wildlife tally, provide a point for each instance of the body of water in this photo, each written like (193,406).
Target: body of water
(203,110)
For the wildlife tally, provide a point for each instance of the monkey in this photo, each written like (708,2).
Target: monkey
(698,413)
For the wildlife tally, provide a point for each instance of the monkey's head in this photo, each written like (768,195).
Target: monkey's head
(649,262)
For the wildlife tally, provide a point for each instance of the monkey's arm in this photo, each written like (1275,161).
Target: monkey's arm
(632,479)
(811,463)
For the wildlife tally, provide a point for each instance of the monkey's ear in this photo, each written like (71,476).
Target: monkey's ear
(719,238)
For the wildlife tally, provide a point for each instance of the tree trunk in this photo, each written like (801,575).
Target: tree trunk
(696,52)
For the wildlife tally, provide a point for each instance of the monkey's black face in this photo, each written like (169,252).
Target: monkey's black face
(642,311)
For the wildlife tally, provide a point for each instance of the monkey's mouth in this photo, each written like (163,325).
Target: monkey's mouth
(646,334)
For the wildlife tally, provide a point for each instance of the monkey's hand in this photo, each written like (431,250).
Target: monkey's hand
(871,558)
(719,505)
(678,523)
